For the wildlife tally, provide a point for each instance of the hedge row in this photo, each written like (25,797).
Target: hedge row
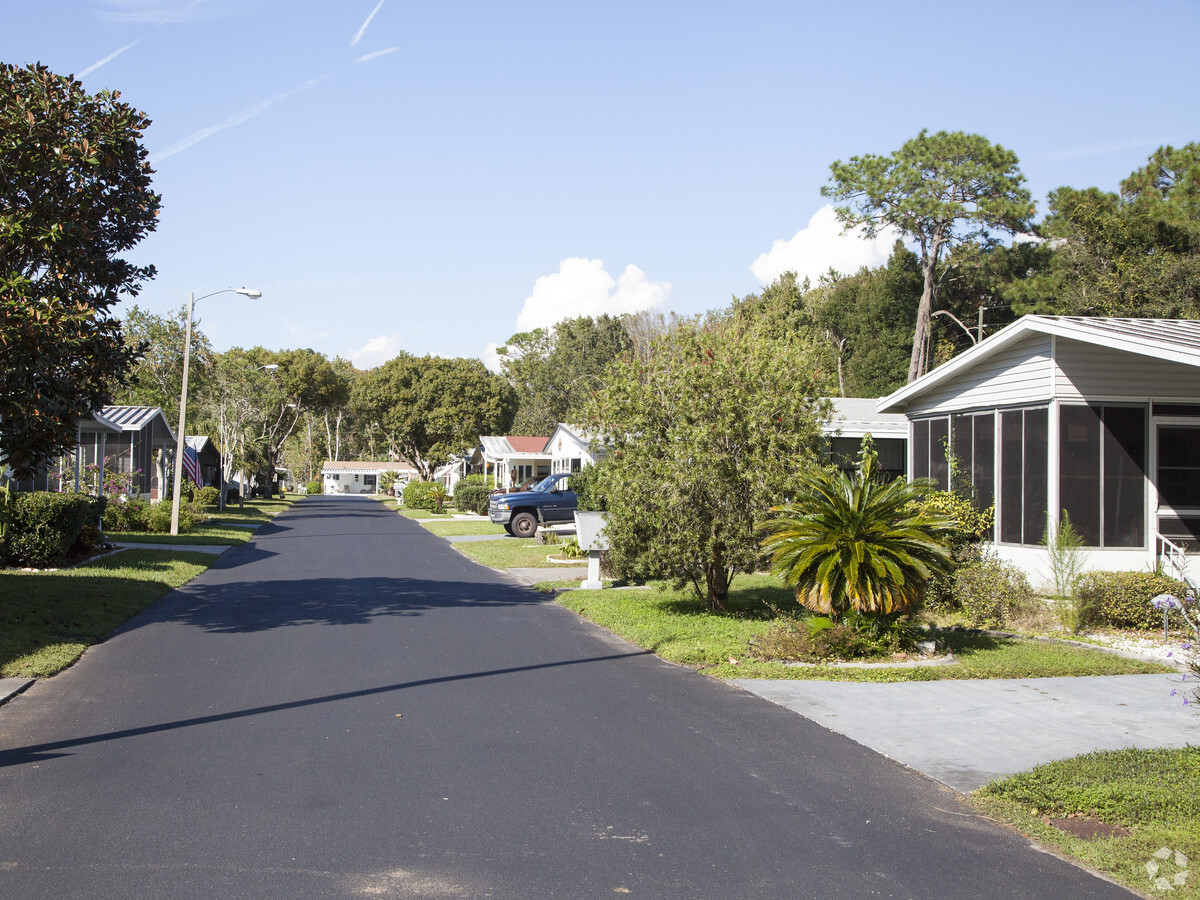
(1122,599)
(472,497)
(45,528)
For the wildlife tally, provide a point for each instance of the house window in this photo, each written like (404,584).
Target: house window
(1101,473)
(1023,463)
(929,449)
(973,443)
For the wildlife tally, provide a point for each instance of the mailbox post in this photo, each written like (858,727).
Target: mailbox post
(589,531)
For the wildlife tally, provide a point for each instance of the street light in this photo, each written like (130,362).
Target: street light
(187,349)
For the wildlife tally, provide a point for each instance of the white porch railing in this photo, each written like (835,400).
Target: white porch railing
(1174,560)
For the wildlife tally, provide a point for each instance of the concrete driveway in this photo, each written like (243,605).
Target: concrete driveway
(967,733)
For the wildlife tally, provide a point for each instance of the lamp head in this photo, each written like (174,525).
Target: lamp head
(247,292)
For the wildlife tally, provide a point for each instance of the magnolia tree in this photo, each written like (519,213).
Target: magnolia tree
(706,432)
(74,196)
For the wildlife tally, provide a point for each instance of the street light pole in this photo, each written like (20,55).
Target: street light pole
(180,441)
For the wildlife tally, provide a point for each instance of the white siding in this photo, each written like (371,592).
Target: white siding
(1100,373)
(1017,374)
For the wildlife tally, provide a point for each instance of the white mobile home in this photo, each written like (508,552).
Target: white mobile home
(1095,417)
(362,477)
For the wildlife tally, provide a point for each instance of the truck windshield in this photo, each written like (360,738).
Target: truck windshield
(548,484)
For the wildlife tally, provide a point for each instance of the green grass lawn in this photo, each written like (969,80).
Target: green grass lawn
(444,527)
(511,554)
(256,512)
(425,514)
(214,533)
(676,626)
(1153,796)
(47,619)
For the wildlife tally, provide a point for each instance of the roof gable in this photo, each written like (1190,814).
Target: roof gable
(1171,340)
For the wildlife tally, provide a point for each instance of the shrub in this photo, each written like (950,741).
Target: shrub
(418,494)
(127,514)
(1122,599)
(989,590)
(45,526)
(471,497)
(488,481)
(313,487)
(158,518)
(588,491)
(207,496)
(572,550)
(971,527)
(820,639)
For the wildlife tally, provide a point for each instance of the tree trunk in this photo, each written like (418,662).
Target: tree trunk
(717,578)
(920,352)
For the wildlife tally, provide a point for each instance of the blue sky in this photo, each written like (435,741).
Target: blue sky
(435,176)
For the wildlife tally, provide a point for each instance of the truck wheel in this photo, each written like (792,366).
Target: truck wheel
(523,525)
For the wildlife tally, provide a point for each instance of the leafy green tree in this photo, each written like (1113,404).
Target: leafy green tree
(74,195)
(157,374)
(1134,254)
(853,542)
(938,190)
(555,370)
(705,433)
(868,318)
(432,408)
(230,406)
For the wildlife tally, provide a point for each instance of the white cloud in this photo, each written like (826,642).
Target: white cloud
(94,66)
(812,251)
(367,57)
(377,351)
(491,359)
(581,287)
(156,12)
(363,30)
(244,116)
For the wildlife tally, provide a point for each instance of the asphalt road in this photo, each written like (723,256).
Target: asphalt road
(347,707)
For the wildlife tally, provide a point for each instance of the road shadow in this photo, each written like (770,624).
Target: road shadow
(53,749)
(254,606)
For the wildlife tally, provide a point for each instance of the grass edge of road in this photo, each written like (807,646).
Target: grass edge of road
(1132,814)
(48,618)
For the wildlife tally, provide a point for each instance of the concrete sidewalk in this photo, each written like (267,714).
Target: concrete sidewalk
(215,549)
(967,733)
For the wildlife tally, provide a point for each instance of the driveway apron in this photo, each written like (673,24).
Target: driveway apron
(345,706)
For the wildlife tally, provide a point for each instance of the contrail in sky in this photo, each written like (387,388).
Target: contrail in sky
(362,31)
(378,53)
(244,116)
(94,66)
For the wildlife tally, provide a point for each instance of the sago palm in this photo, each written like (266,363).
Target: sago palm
(853,542)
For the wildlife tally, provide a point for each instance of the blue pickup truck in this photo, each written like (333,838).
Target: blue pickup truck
(549,502)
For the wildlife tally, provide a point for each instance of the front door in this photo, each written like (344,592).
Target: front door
(1178,483)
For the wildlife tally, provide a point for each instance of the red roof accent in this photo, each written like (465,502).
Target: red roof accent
(527,444)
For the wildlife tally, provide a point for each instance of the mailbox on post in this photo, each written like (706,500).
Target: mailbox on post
(589,531)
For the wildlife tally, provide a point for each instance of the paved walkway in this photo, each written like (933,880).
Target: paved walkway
(967,733)
(215,549)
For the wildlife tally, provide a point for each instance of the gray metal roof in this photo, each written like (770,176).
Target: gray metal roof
(1173,340)
(135,418)
(349,467)
(856,416)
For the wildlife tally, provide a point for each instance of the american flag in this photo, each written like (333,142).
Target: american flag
(191,464)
